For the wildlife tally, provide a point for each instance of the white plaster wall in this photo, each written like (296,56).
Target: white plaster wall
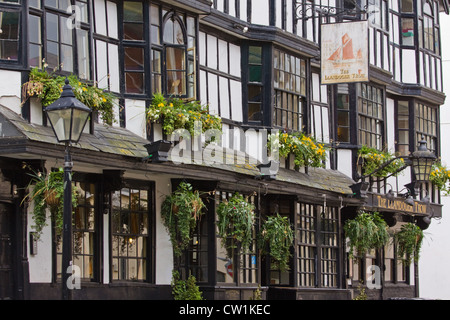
(434,264)
(344,163)
(10,90)
(135,117)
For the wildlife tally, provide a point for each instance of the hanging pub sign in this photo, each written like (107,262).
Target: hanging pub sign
(344,52)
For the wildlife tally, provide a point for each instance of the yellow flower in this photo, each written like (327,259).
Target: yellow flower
(104,100)
(84,89)
(161,105)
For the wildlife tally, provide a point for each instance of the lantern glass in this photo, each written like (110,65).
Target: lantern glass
(422,161)
(68,124)
(422,168)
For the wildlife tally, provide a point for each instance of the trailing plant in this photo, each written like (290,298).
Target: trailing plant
(235,223)
(47,191)
(175,113)
(257,294)
(409,242)
(48,87)
(306,150)
(373,159)
(362,292)
(366,231)
(277,235)
(180,212)
(440,177)
(185,289)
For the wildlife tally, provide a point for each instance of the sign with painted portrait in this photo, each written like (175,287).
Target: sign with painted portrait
(344,52)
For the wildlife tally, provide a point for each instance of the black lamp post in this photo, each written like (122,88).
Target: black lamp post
(68,117)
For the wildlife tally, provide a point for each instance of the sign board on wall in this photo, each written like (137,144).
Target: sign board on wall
(344,52)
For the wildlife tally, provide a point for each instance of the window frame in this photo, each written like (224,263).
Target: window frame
(91,180)
(149,258)
(370,119)
(21,42)
(297,95)
(85,26)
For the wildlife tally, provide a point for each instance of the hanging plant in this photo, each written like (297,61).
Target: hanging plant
(365,232)
(176,113)
(277,236)
(440,177)
(180,212)
(235,223)
(47,191)
(409,241)
(48,87)
(306,150)
(373,159)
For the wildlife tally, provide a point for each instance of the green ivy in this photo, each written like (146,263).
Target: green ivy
(42,188)
(180,212)
(278,236)
(235,223)
(366,231)
(409,242)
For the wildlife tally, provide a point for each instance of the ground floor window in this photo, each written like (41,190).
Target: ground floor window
(131,209)
(84,231)
(234,265)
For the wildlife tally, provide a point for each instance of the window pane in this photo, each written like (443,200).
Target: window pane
(134,59)
(255,73)
(66,58)
(52,54)
(66,32)
(83,54)
(133,11)
(255,55)
(407,5)
(175,58)
(407,32)
(134,82)
(52,27)
(176,82)
(34,55)
(9,36)
(133,31)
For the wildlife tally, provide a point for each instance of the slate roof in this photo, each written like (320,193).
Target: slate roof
(119,141)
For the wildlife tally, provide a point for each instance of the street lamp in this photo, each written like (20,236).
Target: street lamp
(68,117)
(421,161)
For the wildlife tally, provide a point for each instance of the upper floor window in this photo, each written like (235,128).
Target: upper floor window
(9,31)
(370,116)
(255,84)
(426,125)
(290,88)
(168,38)
(58,33)
(174,40)
(429,27)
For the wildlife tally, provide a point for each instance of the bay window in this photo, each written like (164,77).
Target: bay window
(59,36)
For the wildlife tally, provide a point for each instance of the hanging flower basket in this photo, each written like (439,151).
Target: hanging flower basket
(180,212)
(235,223)
(47,191)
